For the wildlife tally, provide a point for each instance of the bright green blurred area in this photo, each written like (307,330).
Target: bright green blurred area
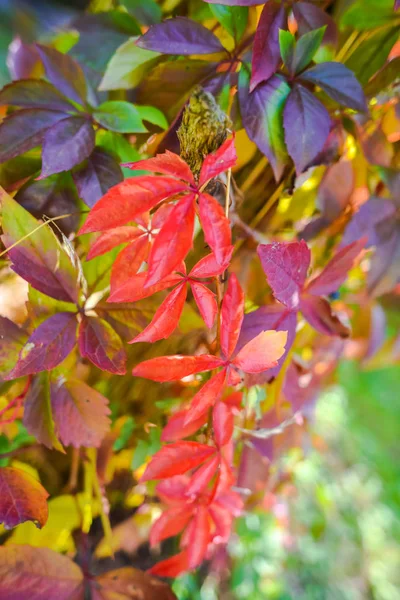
(336,535)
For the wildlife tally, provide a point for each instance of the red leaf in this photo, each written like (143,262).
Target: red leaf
(173,242)
(39,574)
(48,345)
(206,397)
(318,312)
(168,163)
(172,368)
(166,319)
(171,567)
(129,261)
(266,53)
(209,267)
(171,522)
(336,271)
(172,491)
(262,352)
(22,498)
(176,459)
(222,424)
(202,477)
(206,302)
(134,290)
(130,198)
(286,266)
(218,162)
(176,429)
(80,413)
(112,238)
(226,478)
(99,343)
(216,227)
(199,537)
(231,316)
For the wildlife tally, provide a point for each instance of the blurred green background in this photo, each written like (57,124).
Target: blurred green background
(334,533)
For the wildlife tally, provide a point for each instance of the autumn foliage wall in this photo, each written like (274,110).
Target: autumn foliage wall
(202,200)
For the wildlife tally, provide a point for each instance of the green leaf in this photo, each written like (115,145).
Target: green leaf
(364,15)
(128,66)
(148,12)
(119,116)
(152,115)
(124,435)
(287,44)
(371,55)
(233,18)
(306,48)
(120,148)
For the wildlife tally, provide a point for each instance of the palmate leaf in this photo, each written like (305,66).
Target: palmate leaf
(96,176)
(34,93)
(64,73)
(176,459)
(232,310)
(22,498)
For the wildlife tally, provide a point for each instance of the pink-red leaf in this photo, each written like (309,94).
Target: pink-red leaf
(199,537)
(130,198)
(80,413)
(286,266)
(232,311)
(209,267)
(266,54)
(216,227)
(176,429)
(202,477)
(99,343)
(218,162)
(166,319)
(112,238)
(173,242)
(173,368)
(129,261)
(262,352)
(48,345)
(222,424)
(168,163)
(317,311)
(176,459)
(38,574)
(22,498)
(337,269)
(205,397)
(206,302)
(171,522)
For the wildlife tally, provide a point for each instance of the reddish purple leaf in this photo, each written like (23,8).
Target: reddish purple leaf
(34,93)
(286,266)
(128,199)
(22,130)
(64,73)
(218,162)
(335,189)
(339,83)
(48,345)
(310,17)
(336,271)
(317,311)
(22,498)
(168,163)
(180,36)
(99,343)
(307,124)
(96,176)
(173,242)
(66,144)
(266,53)
(80,413)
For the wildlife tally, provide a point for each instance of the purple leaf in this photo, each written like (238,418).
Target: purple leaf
(96,176)
(339,83)
(80,414)
(180,36)
(307,124)
(270,317)
(367,221)
(286,266)
(38,417)
(34,93)
(335,189)
(21,59)
(309,17)
(66,144)
(262,117)
(48,345)
(317,311)
(396,4)
(23,130)
(64,73)
(266,54)
(99,343)
(336,271)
